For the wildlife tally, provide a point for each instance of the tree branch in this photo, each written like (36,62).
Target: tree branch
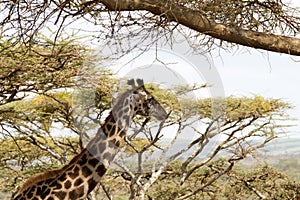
(211,181)
(194,20)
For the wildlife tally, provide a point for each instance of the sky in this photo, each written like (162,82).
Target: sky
(263,73)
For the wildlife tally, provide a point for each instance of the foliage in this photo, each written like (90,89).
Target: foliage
(262,182)
(47,65)
(40,109)
(244,107)
(30,102)
(259,182)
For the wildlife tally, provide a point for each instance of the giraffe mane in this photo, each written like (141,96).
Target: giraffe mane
(48,174)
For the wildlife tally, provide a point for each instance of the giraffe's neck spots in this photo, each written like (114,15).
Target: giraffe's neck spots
(105,145)
(102,149)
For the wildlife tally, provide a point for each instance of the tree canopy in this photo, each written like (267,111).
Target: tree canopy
(269,25)
(45,66)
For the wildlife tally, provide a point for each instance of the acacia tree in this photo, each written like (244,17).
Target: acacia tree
(246,126)
(270,25)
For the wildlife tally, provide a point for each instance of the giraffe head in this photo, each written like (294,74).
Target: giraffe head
(145,104)
(138,101)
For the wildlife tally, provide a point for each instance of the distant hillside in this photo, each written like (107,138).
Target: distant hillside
(282,146)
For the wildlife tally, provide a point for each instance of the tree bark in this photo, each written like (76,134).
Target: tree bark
(194,20)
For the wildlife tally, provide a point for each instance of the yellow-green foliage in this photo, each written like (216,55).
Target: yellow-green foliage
(22,148)
(165,97)
(104,89)
(234,108)
(41,108)
(44,65)
(45,104)
(237,108)
(268,181)
(179,107)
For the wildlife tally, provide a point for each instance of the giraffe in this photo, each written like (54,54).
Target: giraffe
(81,175)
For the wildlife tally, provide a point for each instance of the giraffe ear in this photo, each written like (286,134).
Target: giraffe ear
(131,82)
(140,82)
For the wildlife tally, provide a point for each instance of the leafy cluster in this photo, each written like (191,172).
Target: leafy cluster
(41,111)
(238,108)
(45,66)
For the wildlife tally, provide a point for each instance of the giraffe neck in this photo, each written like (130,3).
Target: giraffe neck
(105,144)
(78,178)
